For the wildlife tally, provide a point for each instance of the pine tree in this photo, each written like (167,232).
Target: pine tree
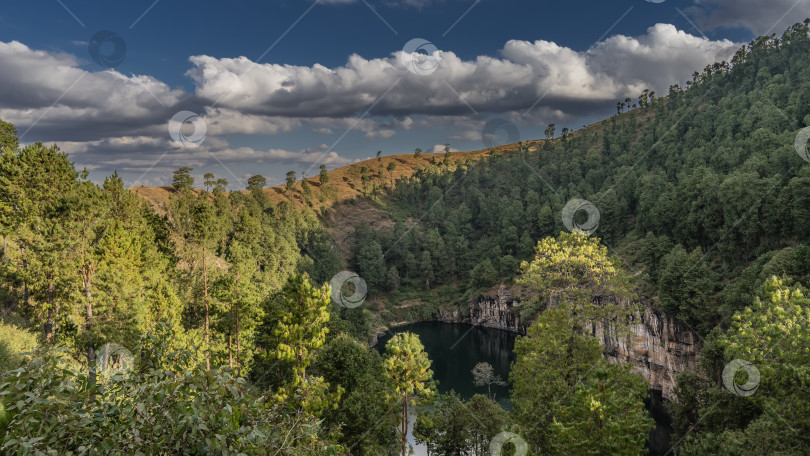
(408,369)
(182,178)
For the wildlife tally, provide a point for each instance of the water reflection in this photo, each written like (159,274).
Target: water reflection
(456,348)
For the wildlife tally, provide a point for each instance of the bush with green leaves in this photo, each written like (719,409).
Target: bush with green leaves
(773,335)
(158,408)
(15,344)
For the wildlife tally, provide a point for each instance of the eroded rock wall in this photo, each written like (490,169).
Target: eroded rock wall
(498,310)
(658,346)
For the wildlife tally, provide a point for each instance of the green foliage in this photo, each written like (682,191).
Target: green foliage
(290,181)
(182,178)
(152,410)
(568,399)
(392,279)
(16,345)
(365,416)
(256,183)
(484,274)
(453,426)
(773,335)
(711,168)
(407,368)
(300,317)
(573,269)
(323,175)
(371,264)
(8,136)
(87,265)
(684,285)
(702,189)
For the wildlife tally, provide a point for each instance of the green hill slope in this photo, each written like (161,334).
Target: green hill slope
(701,193)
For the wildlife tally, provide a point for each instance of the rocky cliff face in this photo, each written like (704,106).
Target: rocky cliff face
(658,346)
(499,310)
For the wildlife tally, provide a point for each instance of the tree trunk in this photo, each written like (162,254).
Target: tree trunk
(205,298)
(405,427)
(50,321)
(230,353)
(238,364)
(25,282)
(303,368)
(91,351)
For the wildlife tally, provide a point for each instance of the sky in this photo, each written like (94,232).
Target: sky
(269,86)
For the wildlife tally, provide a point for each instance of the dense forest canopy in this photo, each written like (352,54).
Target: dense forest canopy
(702,193)
(206,326)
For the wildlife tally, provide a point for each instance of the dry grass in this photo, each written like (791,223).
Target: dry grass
(345,183)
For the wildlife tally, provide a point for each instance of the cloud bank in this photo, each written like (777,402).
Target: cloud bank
(760,17)
(108,120)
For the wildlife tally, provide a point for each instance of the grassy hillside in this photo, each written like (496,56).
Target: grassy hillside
(345,183)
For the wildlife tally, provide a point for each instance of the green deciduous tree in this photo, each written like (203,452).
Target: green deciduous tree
(684,283)
(366,415)
(8,137)
(164,402)
(371,265)
(549,131)
(453,426)
(210,181)
(392,165)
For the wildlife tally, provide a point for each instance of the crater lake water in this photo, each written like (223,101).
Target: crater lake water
(455,348)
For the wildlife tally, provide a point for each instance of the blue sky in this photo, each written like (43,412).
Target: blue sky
(288,85)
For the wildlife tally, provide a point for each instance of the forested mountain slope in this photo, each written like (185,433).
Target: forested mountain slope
(206,327)
(701,193)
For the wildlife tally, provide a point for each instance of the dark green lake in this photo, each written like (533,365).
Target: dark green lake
(455,348)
